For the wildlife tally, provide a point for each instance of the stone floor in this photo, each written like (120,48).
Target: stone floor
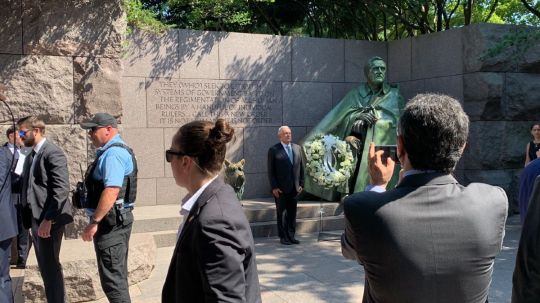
(313,271)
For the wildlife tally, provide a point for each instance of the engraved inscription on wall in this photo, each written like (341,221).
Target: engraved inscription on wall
(172,102)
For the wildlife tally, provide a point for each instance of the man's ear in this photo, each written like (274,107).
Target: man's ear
(400,146)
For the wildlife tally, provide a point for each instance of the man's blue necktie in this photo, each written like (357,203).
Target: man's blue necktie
(289,153)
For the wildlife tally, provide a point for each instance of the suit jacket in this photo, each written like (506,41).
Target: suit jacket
(8,216)
(46,186)
(281,172)
(428,240)
(214,257)
(526,279)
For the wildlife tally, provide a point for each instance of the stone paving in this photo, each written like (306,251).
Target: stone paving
(313,271)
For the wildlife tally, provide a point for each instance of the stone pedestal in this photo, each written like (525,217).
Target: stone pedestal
(80,269)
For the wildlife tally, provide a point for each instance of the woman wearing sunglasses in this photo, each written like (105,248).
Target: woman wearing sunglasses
(214,257)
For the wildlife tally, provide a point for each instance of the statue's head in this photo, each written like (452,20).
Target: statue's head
(375,71)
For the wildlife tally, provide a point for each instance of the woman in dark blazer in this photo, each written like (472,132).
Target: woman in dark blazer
(214,257)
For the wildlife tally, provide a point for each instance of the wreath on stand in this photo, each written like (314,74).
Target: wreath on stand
(329,161)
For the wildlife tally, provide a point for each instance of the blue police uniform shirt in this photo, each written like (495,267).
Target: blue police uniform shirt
(113,164)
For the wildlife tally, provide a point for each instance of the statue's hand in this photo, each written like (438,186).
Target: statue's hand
(354,142)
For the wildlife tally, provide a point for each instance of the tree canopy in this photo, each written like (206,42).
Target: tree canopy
(349,19)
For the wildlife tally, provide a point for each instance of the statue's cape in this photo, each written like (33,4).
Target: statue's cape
(339,121)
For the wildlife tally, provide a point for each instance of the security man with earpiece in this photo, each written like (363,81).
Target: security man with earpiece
(110,187)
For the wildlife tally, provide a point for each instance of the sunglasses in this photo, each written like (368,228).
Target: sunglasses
(22,133)
(170,153)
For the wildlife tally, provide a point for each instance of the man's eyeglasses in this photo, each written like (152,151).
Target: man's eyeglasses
(170,153)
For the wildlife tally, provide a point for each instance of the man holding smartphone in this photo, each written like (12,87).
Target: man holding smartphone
(430,239)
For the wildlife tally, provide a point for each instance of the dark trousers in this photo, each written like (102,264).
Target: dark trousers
(286,215)
(23,239)
(111,244)
(48,257)
(5,280)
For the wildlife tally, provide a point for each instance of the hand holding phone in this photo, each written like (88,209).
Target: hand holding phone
(390,151)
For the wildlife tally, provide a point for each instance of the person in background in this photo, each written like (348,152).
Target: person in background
(111,186)
(526,277)
(8,225)
(214,257)
(46,209)
(430,239)
(532,151)
(14,146)
(286,176)
(526,183)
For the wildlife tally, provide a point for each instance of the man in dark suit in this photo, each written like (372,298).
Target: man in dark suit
(526,183)
(286,176)
(46,209)
(14,145)
(430,239)
(8,225)
(526,279)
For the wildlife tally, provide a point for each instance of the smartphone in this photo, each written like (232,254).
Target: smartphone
(390,151)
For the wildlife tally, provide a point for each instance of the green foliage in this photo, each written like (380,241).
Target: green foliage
(348,19)
(142,18)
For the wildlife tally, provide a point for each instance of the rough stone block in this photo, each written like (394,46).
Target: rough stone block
(146,192)
(496,145)
(320,60)
(38,85)
(133,102)
(305,104)
(73,28)
(97,86)
(522,97)
(437,54)
(409,89)
(80,269)
(11,29)
(148,146)
(529,61)
(482,95)
(339,90)
(235,148)
(199,53)
(357,53)
(478,39)
(452,86)
(255,57)
(168,192)
(257,186)
(152,55)
(399,60)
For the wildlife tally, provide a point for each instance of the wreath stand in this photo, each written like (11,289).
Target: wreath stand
(326,235)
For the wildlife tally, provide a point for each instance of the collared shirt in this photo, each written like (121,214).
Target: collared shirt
(188,202)
(113,164)
(410,172)
(36,149)
(11,148)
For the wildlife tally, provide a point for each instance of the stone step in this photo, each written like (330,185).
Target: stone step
(166,217)
(267,229)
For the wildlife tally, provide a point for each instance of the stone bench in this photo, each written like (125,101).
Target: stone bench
(80,269)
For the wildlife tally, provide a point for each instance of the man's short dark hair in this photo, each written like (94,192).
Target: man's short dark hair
(10,131)
(434,129)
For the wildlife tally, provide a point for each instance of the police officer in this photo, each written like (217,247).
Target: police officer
(111,186)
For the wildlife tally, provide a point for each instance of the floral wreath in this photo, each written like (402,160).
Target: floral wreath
(329,160)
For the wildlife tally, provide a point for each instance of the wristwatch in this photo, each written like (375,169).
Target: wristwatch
(93,220)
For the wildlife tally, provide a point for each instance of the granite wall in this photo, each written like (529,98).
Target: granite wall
(64,60)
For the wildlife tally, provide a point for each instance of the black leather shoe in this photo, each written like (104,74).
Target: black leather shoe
(20,266)
(284,242)
(294,241)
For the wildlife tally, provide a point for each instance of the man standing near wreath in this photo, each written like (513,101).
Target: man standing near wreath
(368,113)
(111,187)
(286,176)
